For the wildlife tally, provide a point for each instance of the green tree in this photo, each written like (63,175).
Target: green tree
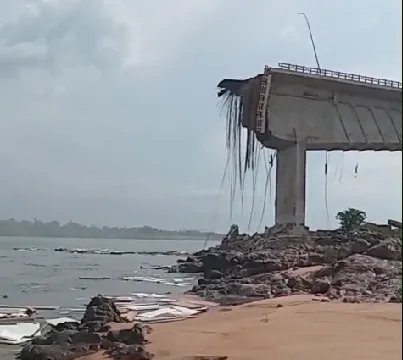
(351,219)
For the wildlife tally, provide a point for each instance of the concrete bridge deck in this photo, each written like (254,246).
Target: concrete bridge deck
(294,109)
(332,114)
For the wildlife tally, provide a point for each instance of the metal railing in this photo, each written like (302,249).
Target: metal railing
(341,75)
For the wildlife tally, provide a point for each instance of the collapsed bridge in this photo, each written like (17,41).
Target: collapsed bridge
(294,109)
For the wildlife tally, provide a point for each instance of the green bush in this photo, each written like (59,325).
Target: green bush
(351,219)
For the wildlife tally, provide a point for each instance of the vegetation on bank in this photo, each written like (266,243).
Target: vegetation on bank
(351,219)
(71,229)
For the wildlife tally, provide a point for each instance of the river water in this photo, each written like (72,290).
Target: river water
(43,276)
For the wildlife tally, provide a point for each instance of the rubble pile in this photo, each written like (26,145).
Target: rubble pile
(363,266)
(69,341)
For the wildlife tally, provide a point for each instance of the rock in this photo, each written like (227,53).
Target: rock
(317,259)
(193,267)
(133,336)
(395,299)
(320,286)
(365,265)
(99,312)
(253,290)
(69,341)
(216,261)
(213,274)
(295,283)
(351,299)
(389,250)
(359,246)
(133,352)
(262,266)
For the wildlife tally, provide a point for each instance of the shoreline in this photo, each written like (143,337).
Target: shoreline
(163,238)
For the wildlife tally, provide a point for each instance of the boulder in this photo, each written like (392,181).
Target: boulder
(390,249)
(320,286)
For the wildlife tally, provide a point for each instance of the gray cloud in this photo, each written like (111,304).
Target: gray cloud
(109,110)
(59,35)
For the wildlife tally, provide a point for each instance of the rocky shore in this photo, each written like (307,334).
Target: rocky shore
(69,341)
(364,266)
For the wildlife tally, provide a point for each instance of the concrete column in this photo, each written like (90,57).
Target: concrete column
(290,186)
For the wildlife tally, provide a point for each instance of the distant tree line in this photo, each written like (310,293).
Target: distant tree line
(12,227)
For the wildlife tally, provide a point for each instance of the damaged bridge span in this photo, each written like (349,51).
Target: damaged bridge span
(294,109)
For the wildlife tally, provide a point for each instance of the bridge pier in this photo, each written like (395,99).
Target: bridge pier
(290,188)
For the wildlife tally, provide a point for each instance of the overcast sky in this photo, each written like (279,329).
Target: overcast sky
(108,108)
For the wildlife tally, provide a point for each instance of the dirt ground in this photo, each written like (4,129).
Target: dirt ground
(301,329)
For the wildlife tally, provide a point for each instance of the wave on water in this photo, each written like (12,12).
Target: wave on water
(108,251)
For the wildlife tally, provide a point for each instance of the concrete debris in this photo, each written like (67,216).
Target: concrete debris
(14,334)
(62,320)
(394,223)
(105,327)
(174,282)
(366,264)
(11,314)
(169,313)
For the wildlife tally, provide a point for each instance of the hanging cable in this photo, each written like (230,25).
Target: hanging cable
(268,167)
(327,155)
(312,40)
(356,170)
(326,181)
(216,208)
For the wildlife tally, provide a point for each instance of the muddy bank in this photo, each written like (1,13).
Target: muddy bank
(361,267)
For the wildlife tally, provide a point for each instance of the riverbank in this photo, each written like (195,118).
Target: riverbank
(299,326)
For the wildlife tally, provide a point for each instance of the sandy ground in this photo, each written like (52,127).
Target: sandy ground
(8,352)
(300,329)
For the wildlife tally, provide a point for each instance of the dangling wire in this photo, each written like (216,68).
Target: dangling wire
(268,167)
(224,175)
(338,172)
(254,180)
(326,181)
(356,170)
(312,41)
(327,155)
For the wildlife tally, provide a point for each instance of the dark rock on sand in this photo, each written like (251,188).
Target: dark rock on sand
(99,312)
(320,286)
(70,340)
(133,336)
(120,351)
